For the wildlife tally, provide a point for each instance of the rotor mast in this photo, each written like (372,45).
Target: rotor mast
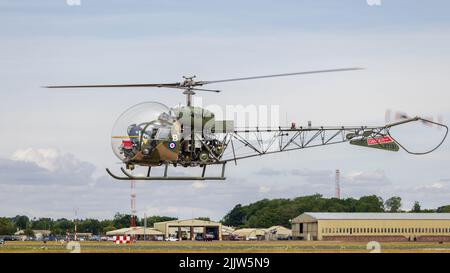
(189,83)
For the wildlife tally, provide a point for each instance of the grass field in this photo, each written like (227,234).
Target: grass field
(223,246)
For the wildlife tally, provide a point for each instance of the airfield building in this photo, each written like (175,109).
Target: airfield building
(372,226)
(227,232)
(140,233)
(249,234)
(38,234)
(190,229)
(278,233)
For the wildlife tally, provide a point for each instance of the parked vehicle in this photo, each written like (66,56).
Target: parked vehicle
(95,238)
(9,238)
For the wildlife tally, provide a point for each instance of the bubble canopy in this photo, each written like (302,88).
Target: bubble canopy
(139,121)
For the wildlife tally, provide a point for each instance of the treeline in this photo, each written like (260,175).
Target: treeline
(9,226)
(261,214)
(266,213)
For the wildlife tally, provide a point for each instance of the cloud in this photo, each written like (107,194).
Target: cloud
(311,173)
(47,182)
(302,176)
(45,166)
(44,158)
(269,172)
(294,172)
(53,160)
(198,185)
(366,178)
(433,194)
(263,189)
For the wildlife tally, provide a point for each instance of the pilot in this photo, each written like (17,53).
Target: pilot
(133,133)
(149,138)
(164,116)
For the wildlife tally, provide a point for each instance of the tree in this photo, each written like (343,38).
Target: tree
(155,219)
(108,228)
(61,226)
(370,203)
(444,209)
(235,217)
(90,225)
(393,204)
(266,213)
(416,207)
(123,220)
(203,218)
(42,224)
(6,226)
(21,221)
(107,225)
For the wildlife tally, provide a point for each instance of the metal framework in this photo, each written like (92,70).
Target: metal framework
(258,142)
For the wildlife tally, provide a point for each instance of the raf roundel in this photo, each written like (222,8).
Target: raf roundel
(172,145)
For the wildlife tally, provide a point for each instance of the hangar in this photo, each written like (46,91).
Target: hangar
(190,229)
(278,233)
(227,232)
(372,226)
(272,233)
(248,234)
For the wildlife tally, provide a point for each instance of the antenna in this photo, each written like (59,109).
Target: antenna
(133,203)
(337,185)
(75,228)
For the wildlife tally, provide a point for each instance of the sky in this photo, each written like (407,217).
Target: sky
(55,144)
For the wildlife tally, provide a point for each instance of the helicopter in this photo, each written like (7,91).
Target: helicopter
(151,134)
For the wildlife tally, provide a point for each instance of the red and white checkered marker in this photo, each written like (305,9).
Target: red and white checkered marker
(122,239)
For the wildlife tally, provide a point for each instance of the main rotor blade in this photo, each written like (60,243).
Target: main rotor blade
(169,85)
(280,75)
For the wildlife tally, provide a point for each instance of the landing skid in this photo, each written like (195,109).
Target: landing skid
(129,176)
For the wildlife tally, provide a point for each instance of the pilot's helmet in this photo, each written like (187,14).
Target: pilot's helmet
(132,129)
(164,116)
